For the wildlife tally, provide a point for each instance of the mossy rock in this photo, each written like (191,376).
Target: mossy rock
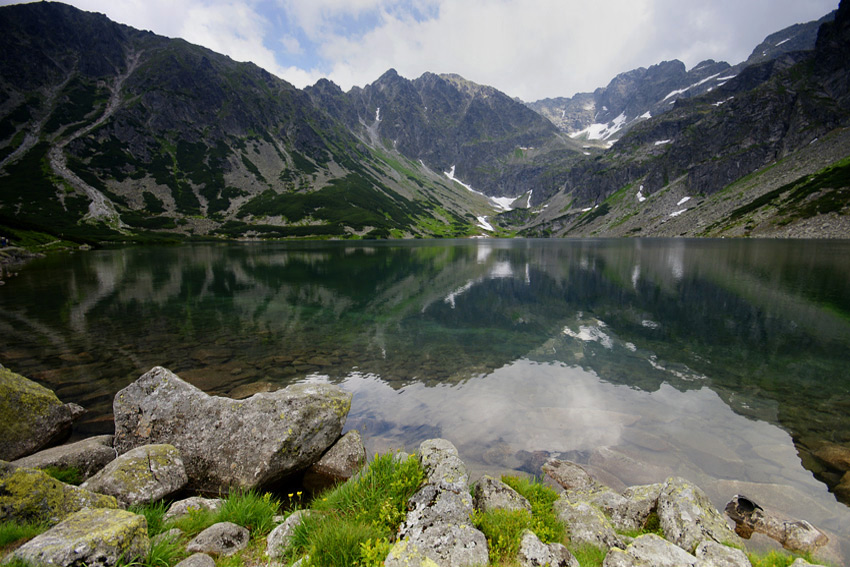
(92,537)
(31,416)
(32,496)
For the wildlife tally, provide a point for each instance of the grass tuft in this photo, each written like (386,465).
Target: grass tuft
(250,510)
(154,514)
(69,475)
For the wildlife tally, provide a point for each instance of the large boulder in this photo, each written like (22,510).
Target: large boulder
(91,537)
(87,456)
(588,525)
(30,495)
(31,416)
(687,516)
(142,475)
(437,528)
(569,476)
(230,444)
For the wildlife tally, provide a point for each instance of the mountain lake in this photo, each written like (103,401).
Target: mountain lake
(726,362)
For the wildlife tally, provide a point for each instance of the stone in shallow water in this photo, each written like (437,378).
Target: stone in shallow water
(31,416)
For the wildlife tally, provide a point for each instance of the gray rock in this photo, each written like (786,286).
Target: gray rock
(186,506)
(797,535)
(800,562)
(687,516)
(229,443)
(713,554)
(493,494)
(437,529)
(569,476)
(142,475)
(535,553)
(588,525)
(278,539)
(650,551)
(197,560)
(92,537)
(406,554)
(641,501)
(30,495)
(341,462)
(87,456)
(443,466)
(223,538)
(31,416)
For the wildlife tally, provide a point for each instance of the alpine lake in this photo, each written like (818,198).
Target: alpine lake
(726,362)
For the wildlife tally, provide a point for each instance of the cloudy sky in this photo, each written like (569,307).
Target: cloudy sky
(530,49)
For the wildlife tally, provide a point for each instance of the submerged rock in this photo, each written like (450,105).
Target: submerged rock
(30,495)
(142,475)
(228,443)
(87,456)
(31,416)
(91,537)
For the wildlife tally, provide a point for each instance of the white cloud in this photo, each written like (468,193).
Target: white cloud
(527,48)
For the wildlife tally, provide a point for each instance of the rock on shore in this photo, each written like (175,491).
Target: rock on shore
(230,444)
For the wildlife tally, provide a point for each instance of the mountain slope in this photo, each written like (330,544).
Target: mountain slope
(764,154)
(607,113)
(133,132)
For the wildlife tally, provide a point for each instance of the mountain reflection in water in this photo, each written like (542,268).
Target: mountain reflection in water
(721,361)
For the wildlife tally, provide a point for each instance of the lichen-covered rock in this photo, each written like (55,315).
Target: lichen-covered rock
(687,516)
(535,553)
(588,525)
(30,495)
(406,554)
(493,494)
(278,539)
(87,456)
(228,443)
(91,537)
(140,476)
(713,554)
(443,466)
(437,525)
(31,416)
(223,538)
(567,475)
(197,560)
(650,551)
(339,463)
(188,505)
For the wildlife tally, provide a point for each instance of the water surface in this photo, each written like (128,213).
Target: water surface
(725,362)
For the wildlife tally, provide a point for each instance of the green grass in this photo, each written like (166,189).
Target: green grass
(545,522)
(589,555)
(355,522)
(68,475)
(13,532)
(154,514)
(503,530)
(250,510)
(775,559)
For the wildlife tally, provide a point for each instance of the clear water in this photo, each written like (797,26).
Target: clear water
(725,362)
